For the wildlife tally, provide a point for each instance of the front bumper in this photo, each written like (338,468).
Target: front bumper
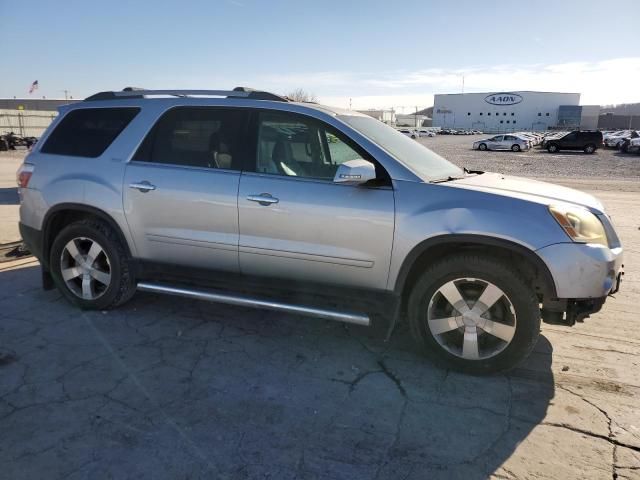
(583,271)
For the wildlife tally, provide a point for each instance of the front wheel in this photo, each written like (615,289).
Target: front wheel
(482,147)
(90,266)
(589,148)
(474,314)
(553,148)
(515,148)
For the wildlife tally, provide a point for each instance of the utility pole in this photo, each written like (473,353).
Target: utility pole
(66,94)
(462,83)
(415,118)
(349,103)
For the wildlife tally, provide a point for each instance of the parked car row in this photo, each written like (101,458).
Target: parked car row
(450,131)
(417,132)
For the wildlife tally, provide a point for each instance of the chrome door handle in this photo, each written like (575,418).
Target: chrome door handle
(263,199)
(144,186)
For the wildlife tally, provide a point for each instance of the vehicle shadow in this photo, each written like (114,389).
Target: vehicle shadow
(9,196)
(572,153)
(228,392)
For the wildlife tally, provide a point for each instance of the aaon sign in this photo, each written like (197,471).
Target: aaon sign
(503,98)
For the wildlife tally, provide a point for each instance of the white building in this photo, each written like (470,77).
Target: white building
(511,111)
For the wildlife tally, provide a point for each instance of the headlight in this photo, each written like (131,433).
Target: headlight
(580,224)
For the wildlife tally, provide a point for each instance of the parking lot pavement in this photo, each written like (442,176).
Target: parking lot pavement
(172,388)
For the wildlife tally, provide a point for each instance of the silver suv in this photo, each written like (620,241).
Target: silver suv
(247,198)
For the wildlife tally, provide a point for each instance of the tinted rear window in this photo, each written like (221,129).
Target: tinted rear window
(87,132)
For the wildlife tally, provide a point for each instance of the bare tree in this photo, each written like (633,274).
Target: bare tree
(301,95)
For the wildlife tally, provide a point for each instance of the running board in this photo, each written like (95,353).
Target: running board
(252,302)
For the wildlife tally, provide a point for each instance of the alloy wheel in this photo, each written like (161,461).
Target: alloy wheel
(85,268)
(471,318)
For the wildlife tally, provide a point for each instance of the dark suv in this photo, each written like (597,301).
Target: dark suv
(587,140)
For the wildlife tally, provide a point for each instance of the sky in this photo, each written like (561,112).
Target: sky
(374,54)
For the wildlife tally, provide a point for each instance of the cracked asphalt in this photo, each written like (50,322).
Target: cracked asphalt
(171,388)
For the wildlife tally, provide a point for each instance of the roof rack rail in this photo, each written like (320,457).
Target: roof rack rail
(238,92)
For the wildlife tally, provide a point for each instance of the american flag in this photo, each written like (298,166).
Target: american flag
(34,86)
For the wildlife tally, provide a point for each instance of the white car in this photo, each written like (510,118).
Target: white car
(502,142)
(426,133)
(615,140)
(407,132)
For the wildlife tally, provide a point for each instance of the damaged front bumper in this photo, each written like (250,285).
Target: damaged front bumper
(569,311)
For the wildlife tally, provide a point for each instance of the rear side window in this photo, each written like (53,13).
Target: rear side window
(205,137)
(87,132)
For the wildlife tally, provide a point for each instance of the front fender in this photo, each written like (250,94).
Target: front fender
(434,213)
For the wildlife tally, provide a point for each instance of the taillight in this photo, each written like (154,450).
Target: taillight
(24,175)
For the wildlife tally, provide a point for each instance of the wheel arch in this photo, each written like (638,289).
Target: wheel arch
(432,249)
(64,213)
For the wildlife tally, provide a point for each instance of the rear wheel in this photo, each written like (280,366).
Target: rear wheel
(474,314)
(590,148)
(515,148)
(90,266)
(553,148)
(482,146)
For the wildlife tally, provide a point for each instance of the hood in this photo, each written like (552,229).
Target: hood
(525,189)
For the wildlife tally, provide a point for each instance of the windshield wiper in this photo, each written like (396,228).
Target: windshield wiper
(450,178)
(446,179)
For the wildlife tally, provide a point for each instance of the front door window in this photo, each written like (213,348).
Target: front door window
(293,146)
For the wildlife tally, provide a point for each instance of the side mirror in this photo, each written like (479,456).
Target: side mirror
(355,172)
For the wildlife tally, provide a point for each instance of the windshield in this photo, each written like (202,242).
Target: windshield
(407,151)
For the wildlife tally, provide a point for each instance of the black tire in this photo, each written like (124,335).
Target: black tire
(515,148)
(624,148)
(122,285)
(589,148)
(4,146)
(501,274)
(552,148)
(482,146)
